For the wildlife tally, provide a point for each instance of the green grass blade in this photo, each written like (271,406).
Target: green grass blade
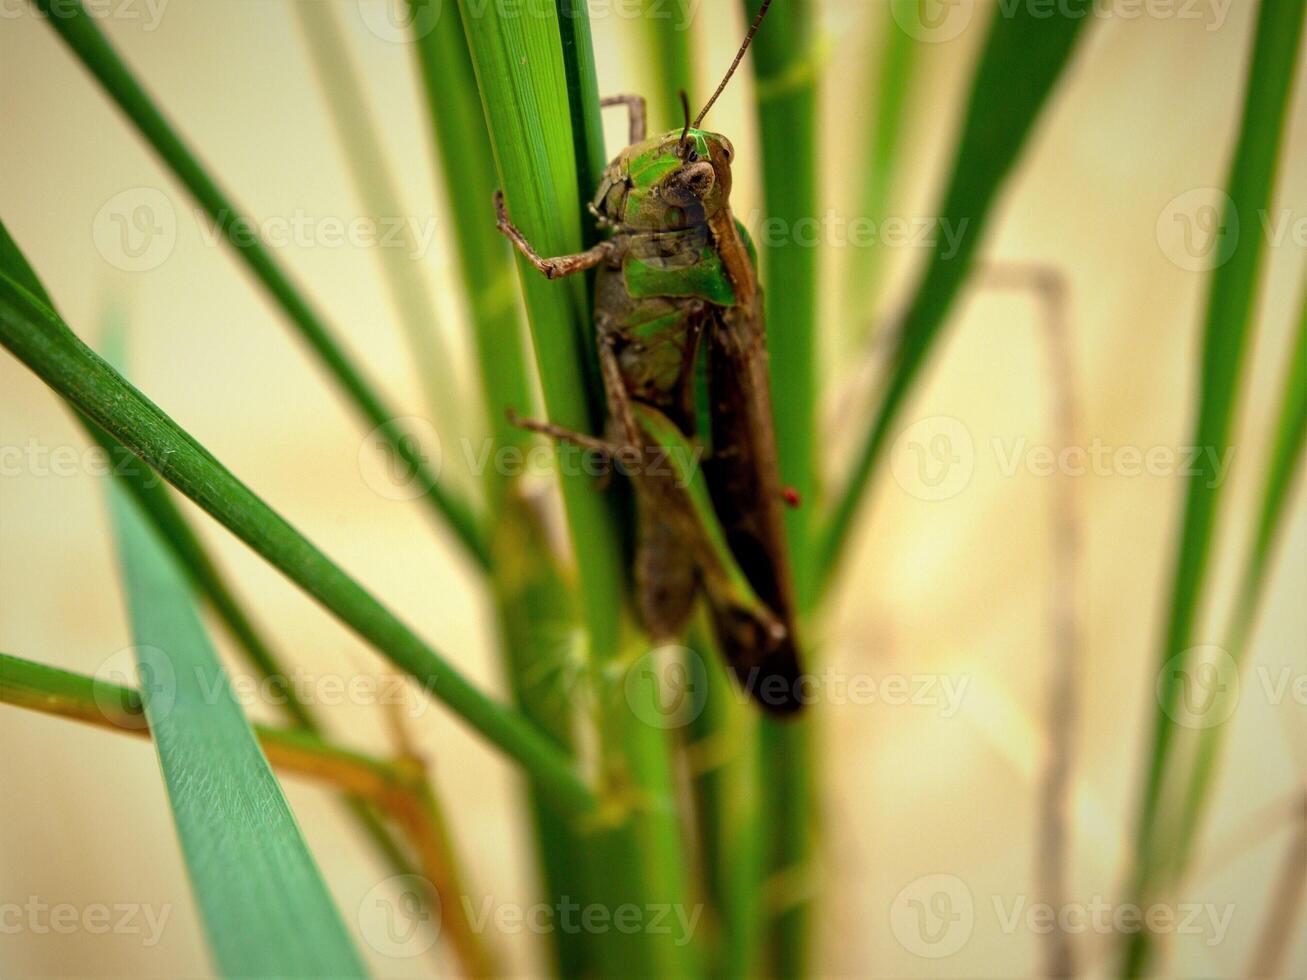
(485,260)
(1228,323)
(785,70)
(39,338)
(265,908)
(1023,59)
(523,84)
(376,186)
(665,25)
(535,610)
(80,32)
(524,69)
(155,501)
(899,53)
(92,700)
(1283,468)
(583,104)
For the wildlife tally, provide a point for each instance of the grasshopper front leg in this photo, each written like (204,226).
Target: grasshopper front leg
(555,268)
(638,110)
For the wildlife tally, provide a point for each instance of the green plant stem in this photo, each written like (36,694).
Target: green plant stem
(666,29)
(157,504)
(1228,326)
(80,32)
(786,72)
(534,608)
(899,53)
(65,694)
(723,759)
(400,263)
(525,68)
(1024,56)
(37,336)
(261,898)
(1283,468)
(397,788)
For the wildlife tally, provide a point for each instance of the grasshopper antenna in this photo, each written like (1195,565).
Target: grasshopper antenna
(683,146)
(748,39)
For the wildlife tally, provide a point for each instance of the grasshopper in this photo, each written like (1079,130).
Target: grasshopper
(683,357)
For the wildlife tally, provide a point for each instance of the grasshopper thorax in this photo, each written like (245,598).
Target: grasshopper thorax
(667,183)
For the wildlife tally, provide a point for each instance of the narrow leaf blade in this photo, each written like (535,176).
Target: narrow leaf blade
(262,899)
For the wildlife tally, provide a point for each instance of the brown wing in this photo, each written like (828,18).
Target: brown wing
(744,478)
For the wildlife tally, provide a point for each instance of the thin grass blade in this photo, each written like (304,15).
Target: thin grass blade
(1228,327)
(39,338)
(84,37)
(1025,55)
(1282,470)
(265,908)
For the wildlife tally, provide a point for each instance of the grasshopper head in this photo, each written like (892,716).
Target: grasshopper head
(666,183)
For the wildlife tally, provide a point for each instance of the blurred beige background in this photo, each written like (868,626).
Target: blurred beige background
(953,588)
